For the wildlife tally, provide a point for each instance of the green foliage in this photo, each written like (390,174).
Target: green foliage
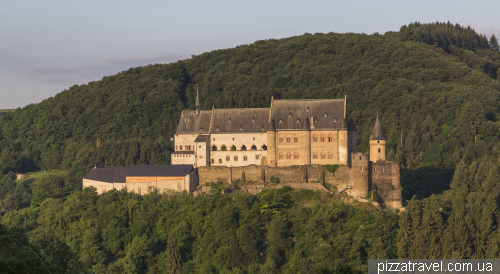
(275,180)
(18,255)
(425,70)
(123,232)
(332,168)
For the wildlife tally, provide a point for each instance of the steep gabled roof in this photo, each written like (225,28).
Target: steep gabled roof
(295,114)
(192,123)
(107,174)
(377,131)
(240,120)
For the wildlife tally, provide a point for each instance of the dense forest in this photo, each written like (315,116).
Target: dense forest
(434,86)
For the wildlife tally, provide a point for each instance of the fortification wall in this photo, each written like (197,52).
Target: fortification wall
(254,173)
(341,178)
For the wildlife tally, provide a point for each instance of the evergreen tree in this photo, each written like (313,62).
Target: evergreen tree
(494,43)
(173,258)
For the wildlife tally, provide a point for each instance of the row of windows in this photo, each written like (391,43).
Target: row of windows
(228,159)
(185,147)
(233,147)
(322,155)
(322,138)
(182,155)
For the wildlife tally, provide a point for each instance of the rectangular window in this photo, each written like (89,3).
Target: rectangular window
(289,156)
(288,139)
(315,156)
(323,156)
(257,157)
(220,161)
(245,158)
(281,156)
(228,158)
(330,139)
(296,156)
(296,139)
(281,140)
(322,139)
(330,155)
(315,139)
(235,158)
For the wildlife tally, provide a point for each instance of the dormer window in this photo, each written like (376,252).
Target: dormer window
(253,120)
(290,114)
(281,121)
(201,129)
(325,114)
(335,119)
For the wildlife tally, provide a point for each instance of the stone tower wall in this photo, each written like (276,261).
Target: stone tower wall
(375,147)
(360,174)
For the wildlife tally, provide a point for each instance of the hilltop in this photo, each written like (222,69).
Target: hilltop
(435,87)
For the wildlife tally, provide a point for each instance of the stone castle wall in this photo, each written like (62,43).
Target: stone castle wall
(254,173)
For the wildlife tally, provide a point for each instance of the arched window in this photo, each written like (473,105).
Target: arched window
(323,155)
(243,147)
(176,148)
(330,138)
(186,148)
(280,156)
(323,138)
(264,147)
(213,161)
(223,148)
(214,148)
(379,150)
(233,148)
(315,138)
(180,147)
(220,161)
(189,147)
(254,147)
(296,155)
(330,155)
(289,156)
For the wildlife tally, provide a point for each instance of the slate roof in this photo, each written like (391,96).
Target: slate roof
(192,123)
(202,138)
(377,131)
(240,120)
(287,115)
(107,174)
(159,170)
(295,114)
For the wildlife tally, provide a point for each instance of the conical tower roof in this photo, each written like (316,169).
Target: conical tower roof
(377,131)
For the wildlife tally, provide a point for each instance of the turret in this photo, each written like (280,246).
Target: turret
(377,143)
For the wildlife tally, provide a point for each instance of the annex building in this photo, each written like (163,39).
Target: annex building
(288,133)
(142,178)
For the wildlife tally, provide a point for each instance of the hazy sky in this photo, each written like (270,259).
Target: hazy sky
(48,46)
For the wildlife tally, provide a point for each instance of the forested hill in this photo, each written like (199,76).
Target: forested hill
(434,85)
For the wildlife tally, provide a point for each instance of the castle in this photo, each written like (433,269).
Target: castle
(288,133)
(292,140)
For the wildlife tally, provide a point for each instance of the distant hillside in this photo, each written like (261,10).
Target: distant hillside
(438,94)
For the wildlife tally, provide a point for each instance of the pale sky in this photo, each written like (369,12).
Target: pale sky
(48,46)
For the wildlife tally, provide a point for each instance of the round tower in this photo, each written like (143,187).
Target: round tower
(377,143)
